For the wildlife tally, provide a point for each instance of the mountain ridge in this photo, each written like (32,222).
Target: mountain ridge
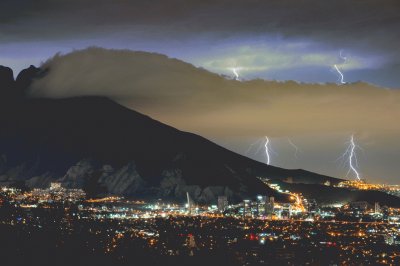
(74,140)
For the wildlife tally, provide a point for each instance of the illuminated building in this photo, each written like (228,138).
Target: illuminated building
(269,207)
(55,186)
(222,203)
(261,205)
(312,206)
(377,207)
(189,203)
(247,208)
(57,193)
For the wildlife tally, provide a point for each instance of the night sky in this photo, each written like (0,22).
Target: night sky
(293,45)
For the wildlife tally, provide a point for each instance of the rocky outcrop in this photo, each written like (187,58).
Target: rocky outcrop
(124,181)
(6,83)
(76,175)
(40,181)
(24,79)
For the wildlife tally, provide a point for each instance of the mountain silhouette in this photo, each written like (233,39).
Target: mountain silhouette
(94,141)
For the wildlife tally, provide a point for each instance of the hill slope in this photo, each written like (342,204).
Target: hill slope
(45,137)
(95,143)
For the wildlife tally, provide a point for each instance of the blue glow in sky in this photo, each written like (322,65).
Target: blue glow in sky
(271,59)
(282,40)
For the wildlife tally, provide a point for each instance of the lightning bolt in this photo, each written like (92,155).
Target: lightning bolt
(341,79)
(296,149)
(267,149)
(236,73)
(263,143)
(351,156)
(340,74)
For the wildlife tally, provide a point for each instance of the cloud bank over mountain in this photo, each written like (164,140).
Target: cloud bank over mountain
(197,100)
(317,117)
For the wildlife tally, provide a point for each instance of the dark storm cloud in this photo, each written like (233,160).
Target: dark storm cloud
(366,24)
(197,30)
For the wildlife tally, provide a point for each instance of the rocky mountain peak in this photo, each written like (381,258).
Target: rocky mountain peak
(25,78)
(6,81)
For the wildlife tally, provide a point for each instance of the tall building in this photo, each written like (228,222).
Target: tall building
(261,205)
(222,203)
(377,207)
(312,206)
(189,203)
(246,208)
(269,207)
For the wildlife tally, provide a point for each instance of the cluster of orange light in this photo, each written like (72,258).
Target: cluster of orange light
(106,199)
(365,186)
